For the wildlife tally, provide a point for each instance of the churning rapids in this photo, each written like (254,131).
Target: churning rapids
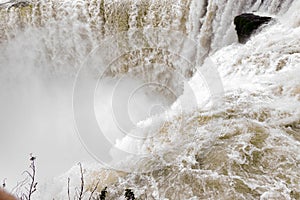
(204,116)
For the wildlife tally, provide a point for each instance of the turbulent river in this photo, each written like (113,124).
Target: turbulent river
(155,96)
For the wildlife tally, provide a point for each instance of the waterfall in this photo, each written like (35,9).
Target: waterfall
(82,25)
(188,112)
(60,34)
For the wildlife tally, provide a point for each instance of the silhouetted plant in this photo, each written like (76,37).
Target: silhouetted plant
(79,193)
(129,195)
(103,194)
(29,187)
(4,183)
(29,184)
(69,189)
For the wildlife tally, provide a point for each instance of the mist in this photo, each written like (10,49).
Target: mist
(37,117)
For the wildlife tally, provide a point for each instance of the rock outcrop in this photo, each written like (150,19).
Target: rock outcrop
(246,24)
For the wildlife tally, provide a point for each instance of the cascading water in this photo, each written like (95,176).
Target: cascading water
(245,145)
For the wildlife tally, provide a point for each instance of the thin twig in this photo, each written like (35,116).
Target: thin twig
(33,184)
(69,189)
(95,188)
(19,186)
(28,173)
(80,196)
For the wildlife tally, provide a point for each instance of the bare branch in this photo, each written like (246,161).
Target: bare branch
(80,196)
(33,184)
(69,189)
(27,173)
(95,188)
(30,180)
(19,185)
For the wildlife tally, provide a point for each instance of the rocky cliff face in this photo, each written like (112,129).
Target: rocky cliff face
(246,24)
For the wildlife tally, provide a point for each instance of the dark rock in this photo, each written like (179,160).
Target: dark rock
(247,23)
